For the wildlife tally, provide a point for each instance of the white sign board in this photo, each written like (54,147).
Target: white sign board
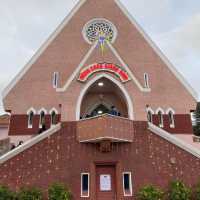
(105,182)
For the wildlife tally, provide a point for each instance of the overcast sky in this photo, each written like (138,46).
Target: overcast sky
(174,25)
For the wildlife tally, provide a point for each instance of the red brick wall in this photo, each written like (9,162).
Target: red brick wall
(61,158)
(19,124)
(183,124)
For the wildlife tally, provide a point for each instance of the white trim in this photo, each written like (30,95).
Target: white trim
(160,109)
(146,80)
(150,109)
(51,112)
(170,109)
(141,88)
(161,124)
(31,109)
(88,195)
(55,79)
(130,182)
(97,77)
(94,106)
(44,110)
(172,125)
(29,143)
(98,20)
(124,65)
(113,139)
(30,125)
(74,74)
(42,49)
(158,51)
(53,109)
(174,140)
(45,113)
(28,113)
(104,115)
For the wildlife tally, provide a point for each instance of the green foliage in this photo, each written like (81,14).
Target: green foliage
(150,192)
(29,194)
(178,191)
(197,192)
(59,192)
(6,193)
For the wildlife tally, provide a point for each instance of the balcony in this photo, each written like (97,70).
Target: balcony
(105,128)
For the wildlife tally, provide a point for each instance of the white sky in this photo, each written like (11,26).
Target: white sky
(174,25)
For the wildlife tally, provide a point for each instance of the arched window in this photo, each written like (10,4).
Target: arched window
(53,118)
(30,119)
(149,116)
(160,118)
(171,119)
(42,119)
(146,80)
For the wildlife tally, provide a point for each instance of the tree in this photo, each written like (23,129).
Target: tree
(196,128)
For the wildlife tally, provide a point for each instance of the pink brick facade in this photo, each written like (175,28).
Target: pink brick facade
(65,53)
(125,142)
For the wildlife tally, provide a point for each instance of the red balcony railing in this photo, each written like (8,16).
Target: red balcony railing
(105,127)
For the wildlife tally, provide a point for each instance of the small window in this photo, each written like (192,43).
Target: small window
(193,118)
(149,116)
(160,118)
(53,118)
(127,184)
(85,185)
(42,119)
(55,79)
(30,119)
(171,119)
(146,80)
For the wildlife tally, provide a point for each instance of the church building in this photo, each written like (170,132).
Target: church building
(100,109)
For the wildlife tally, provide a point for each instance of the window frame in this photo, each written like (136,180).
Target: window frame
(172,120)
(82,192)
(52,120)
(30,125)
(55,79)
(160,119)
(31,110)
(130,183)
(40,122)
(146,80)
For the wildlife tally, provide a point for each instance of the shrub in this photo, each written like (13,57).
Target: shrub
(150,192)
(59,192)
(6,193)
(29,194)
(197,192)
(178,191)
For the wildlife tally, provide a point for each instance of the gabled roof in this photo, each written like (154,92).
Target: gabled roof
(65,22)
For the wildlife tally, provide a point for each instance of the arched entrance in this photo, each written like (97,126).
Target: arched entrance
(104,94)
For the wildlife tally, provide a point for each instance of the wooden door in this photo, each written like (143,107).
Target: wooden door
(106,182)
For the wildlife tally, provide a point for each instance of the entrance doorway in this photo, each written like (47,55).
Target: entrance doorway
(103,96)
(106,182)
